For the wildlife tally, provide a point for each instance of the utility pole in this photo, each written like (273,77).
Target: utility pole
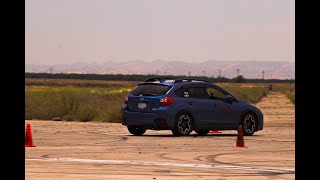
(157,71)
(262,74)
(219,73)
(204,73)
(189,73)
(238,71)
(51,70)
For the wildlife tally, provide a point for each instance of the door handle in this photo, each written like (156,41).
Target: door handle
(190,103)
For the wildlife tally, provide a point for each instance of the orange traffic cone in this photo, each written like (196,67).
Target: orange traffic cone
(215,131)
(28,138)
(240,141)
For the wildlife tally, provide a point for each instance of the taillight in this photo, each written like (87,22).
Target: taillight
(166,101)
(126,100)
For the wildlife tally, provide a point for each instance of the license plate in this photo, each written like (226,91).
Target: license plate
(142,105)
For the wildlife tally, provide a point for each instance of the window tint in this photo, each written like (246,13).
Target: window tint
(150,90)
(197,92)
(192,91)
(215,93)
(182,92)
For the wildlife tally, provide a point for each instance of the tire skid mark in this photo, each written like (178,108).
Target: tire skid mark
(199,158)
(135,173)
(86,152)
(146,171)
(212,158)
(163,156)
(137,163)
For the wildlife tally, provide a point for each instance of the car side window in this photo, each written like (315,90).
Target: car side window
(215,93)
(196,91)
(192,91)
(182,92)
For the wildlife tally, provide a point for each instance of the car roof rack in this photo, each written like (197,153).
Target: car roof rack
(173,80)
(161,80)
(190,80)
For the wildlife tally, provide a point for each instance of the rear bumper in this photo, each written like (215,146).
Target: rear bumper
(159,119)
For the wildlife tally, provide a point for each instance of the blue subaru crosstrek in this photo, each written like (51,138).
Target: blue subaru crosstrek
(185,105)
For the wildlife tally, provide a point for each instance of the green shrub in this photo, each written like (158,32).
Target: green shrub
(291,96)
(74,103)
(251,94)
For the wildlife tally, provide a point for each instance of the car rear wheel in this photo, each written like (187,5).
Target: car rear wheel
(202,132)
(175,132)
(136,131)
(249,124)
(183,125)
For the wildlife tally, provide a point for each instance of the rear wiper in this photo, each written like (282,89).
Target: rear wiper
(147,94)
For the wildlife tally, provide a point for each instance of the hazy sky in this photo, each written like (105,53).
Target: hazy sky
(67,31)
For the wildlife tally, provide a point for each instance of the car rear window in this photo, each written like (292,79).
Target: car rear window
(150,90)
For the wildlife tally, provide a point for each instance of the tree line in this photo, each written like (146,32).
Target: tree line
(140,77)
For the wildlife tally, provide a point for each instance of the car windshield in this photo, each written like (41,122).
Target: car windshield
(150,90)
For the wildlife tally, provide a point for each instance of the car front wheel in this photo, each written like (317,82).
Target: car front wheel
(136,131)
(249,124)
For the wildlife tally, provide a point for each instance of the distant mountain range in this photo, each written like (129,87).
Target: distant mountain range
(211,68)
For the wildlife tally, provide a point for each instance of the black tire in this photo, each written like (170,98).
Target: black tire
(249,124)
(136,131)
(202,132)
(175,132)
(184,125)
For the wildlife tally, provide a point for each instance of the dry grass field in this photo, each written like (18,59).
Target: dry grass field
(97,100)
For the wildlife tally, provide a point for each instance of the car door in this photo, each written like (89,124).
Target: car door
(200,105)
(221,113)
(198,102)
(194,98)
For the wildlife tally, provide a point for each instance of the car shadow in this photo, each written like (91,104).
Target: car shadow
(191,135)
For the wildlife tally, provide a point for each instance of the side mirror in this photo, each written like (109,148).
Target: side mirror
(229,99)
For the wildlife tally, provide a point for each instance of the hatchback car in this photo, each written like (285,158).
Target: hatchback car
(184,105)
